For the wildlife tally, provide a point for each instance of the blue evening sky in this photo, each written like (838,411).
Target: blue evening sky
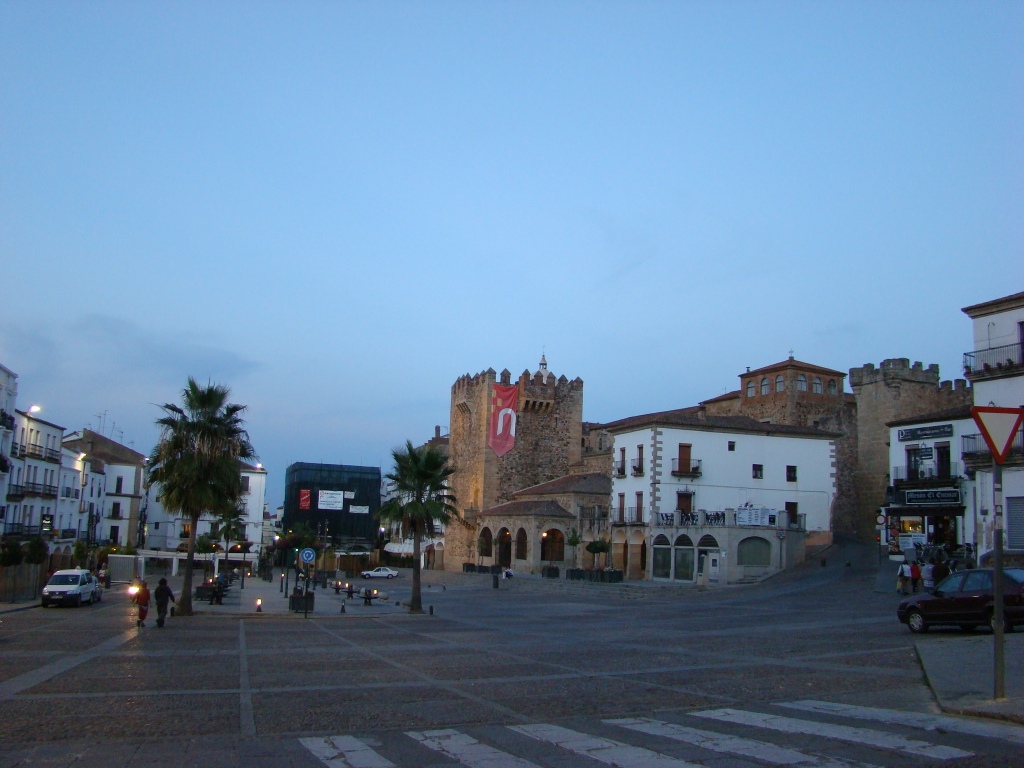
(338,208)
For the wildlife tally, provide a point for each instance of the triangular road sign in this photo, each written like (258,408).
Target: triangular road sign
(998,426)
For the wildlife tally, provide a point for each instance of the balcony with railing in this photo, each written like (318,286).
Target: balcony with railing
(6,420)
(41,489)
(688,468)
(619,468)
(630,516)
(52,454)
(33,451)
(17,450)
(724,519)
(978,456)
(637,465)
(995,362)
(15,492)
(20,529)
(927,474)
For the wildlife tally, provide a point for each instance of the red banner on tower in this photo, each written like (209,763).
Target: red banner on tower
(502,436)
(303,499)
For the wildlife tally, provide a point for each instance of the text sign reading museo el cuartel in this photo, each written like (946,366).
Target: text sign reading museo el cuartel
(936,496)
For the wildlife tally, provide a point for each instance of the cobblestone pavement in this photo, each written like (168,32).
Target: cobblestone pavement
(229,687)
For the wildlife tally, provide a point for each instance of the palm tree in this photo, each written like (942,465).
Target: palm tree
(197,460)
(230,524)
(421,501)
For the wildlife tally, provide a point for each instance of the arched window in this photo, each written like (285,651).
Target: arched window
(661,540)
(780,383)
(684,541)
(754,551)
(801,383)
(817,385)
(552,545)
(661,567)
(521,545)
(708,542)
(483,546)
(766,388)
(832,389)
(750,388)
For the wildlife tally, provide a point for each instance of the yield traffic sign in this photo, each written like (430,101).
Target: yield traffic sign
(998,426)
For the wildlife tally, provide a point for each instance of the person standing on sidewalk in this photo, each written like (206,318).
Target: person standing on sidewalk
(163,595)
(142,600)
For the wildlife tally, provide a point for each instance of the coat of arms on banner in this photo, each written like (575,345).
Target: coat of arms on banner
(502,434)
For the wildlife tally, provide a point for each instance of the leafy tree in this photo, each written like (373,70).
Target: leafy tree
(574,540)
(598,546)
(197,460)
(11,552)
(36,551)
(421,501)
(81,553)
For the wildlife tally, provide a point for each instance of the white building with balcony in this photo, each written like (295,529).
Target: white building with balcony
(8,400)
(995,368)
(727,497)
(35,462)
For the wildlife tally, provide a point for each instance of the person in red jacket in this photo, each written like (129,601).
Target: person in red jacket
(141,599)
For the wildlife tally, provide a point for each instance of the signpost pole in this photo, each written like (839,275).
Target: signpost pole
(999,670)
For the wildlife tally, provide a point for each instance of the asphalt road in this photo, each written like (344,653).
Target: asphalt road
(530,674)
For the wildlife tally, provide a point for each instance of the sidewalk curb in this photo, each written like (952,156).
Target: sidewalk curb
(22,608)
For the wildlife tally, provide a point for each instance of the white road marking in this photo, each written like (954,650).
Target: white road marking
(864,736)
(467,750)
(734,745)
(922,720)
(603,750)
(345,752)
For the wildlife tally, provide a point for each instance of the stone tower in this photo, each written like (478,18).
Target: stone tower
(549,431)
(896,390)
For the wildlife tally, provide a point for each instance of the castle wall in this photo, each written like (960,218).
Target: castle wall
(895,390)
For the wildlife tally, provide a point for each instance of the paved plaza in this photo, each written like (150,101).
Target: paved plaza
(812,666)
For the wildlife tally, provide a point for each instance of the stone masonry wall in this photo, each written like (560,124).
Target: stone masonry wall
(895,390)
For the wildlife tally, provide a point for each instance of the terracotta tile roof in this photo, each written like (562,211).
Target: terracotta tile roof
(950,414)
(791,363)
(591,482)
(684,417)
(527,509)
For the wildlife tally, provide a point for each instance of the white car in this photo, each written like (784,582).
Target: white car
(72,587)
(380,573)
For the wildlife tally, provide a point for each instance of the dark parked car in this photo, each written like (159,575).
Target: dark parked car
(964,599)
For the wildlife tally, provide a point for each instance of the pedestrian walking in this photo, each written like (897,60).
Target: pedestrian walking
(928,575)
(163,596)
(915,577)
(903,578)
(142,600)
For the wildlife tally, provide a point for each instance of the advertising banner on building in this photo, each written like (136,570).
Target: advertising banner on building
(502,434)
(359,510)
(303,498)
(331,500)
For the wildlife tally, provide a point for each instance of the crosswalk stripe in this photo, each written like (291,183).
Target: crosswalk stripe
(922,720)
(846,733)
(603,750)
(345,752)
(468,750)
(718,742)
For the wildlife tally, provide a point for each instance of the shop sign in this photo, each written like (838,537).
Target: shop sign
(934,496)
(925,433)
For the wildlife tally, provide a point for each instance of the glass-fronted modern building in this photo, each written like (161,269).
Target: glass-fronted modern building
(337,501)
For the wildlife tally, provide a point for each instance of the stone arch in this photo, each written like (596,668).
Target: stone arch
(65,558)
(504,545)
(754,550)
(55,558)
(780,383)
(766,387)
(552,546)
(485,544)
(620,550)
(522,545)
(661,540)
(661,560)
(682,540)
(707,541)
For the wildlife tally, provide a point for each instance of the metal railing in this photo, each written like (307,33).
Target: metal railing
(20,529)
(926,472)
(17,450)
(714,518)
(634,515)
(638,467)
(619,468)
(691,468)
(975,444)
(33,451)
(6,420)
(15,491)
(994,360)
(52,454)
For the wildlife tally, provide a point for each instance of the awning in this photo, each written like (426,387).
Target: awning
(405,547)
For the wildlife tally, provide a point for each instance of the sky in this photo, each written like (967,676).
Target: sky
(337,209)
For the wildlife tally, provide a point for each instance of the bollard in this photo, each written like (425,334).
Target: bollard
(495,578)
(444,588)
(823,562)
(431,610)
(343,607)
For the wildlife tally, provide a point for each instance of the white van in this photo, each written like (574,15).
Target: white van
(72,587)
